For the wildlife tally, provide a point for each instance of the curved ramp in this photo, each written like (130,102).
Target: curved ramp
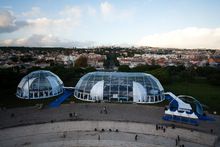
(66,94)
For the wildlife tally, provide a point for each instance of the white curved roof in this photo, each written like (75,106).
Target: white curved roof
(97,91)
(139,92)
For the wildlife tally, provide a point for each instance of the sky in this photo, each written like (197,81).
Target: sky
(88,23)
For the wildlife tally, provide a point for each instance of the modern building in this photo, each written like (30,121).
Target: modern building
(119,86)
(39,84)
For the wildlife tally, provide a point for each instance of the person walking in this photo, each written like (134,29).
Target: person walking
(136,136)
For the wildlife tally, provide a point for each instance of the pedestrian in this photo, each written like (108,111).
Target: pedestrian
(75,115)
(178,138)
(176,142)
(99,137)
(105,110)
(136,136)
(64,134)
(164,130)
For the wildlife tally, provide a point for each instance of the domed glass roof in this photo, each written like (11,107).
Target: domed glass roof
(39,84)
(119,86)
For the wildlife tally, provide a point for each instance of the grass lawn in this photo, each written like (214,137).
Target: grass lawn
(207,94)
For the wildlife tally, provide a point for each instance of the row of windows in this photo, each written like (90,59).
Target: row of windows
(89,85)
(81,95)
(115,97)
(39,94)
(122,90)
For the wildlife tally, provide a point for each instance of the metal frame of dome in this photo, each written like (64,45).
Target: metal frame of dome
(119,86)
(39,84)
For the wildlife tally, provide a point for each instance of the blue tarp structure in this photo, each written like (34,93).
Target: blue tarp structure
(66,94)
(180,119)
(206,118)
(174,106)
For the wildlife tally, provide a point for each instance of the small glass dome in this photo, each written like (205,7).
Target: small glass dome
(39,84)
(119,86)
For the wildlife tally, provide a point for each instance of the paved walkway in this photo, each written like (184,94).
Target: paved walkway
(82,133)
(92,111)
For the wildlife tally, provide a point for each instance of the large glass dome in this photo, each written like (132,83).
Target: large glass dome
(39,84)
(119,86)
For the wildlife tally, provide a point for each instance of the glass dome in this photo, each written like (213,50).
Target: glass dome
(119,86)
(39,84)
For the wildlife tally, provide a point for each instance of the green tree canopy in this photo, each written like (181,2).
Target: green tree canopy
(124,68)
(82,61)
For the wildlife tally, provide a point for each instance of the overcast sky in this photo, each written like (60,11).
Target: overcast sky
(81,23)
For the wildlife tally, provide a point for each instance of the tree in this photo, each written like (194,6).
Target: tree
(145,68)
(186,76)
(162,74)
(106,63)
(214,79)
(82,61)
(124,68)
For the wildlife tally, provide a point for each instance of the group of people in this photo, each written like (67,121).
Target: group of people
(99,137)
(74,115)
(177,140)
(161,127)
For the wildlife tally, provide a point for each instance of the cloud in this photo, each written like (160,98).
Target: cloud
(73,12)
(191,37)
(110,13)
(46,25)
(8,22)
(39,40)
(34,12)
(70,18)
(34,40)
(91,11)
(106,8)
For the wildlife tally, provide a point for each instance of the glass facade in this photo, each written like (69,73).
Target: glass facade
(119,86)
(39,84)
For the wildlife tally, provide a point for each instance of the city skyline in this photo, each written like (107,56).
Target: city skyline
(171,23)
